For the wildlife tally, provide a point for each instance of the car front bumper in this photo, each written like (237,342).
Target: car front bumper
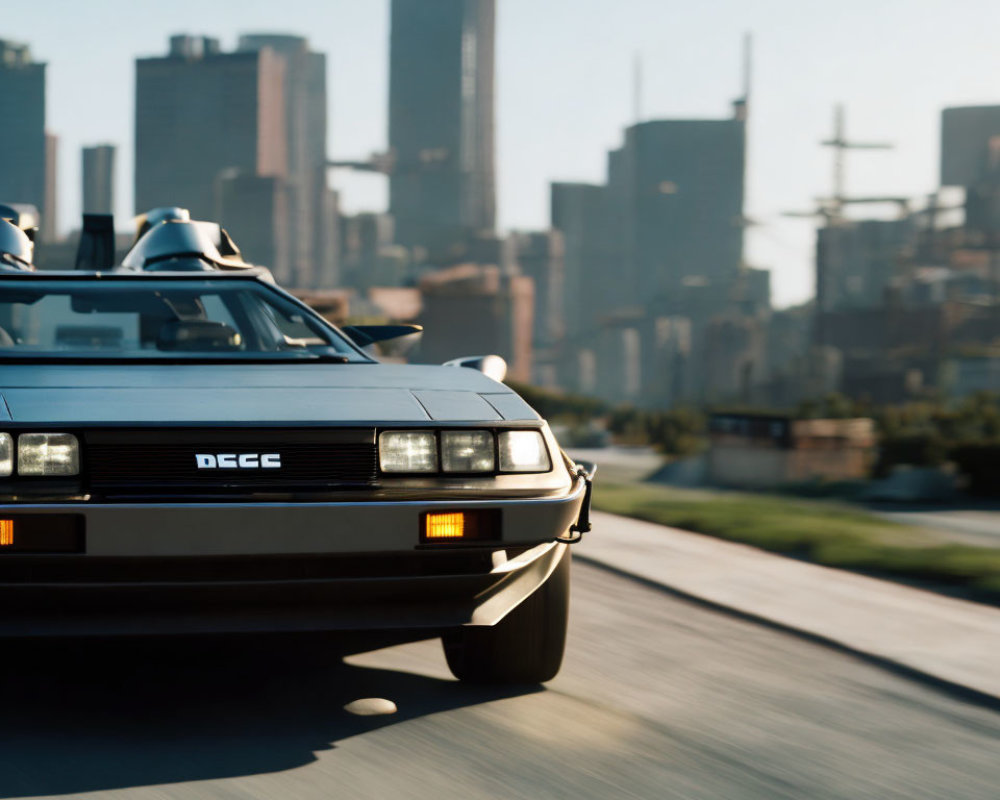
(182,568)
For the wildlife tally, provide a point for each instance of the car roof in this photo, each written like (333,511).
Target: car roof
(258,273)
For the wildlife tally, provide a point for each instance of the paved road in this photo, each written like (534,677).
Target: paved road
(658,699)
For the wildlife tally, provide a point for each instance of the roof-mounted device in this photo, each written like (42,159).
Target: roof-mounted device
(21,215)
(15,248)
(168,240)
(17,237)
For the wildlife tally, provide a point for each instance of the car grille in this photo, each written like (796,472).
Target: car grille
(164,461)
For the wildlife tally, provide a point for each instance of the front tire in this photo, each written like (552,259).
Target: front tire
(526,646)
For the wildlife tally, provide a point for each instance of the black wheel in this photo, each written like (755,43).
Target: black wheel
(526,646)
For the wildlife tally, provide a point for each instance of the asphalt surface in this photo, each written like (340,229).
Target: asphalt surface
(659,698)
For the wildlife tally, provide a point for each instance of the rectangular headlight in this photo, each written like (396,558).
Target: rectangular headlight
(48,454)
(407,451)
(467,451)
(6,455)
(523,451)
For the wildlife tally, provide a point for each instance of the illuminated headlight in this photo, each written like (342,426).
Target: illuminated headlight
(467,451)
(523,451)
(6,455)
(407,451)
(48,454)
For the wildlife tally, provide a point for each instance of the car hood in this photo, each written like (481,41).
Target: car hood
(221,394)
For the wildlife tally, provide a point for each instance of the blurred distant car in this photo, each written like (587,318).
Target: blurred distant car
(198,452)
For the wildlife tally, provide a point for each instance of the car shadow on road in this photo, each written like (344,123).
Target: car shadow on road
(79,716)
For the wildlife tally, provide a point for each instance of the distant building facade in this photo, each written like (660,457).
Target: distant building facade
(682,191)
(653,257)
(26,174)
(540,256)
(970,144)
(441,121)
(368,256)
(204,116)
(857,260)
(50,208)
(592,285)
(311,205)
(98,170)
(198,112)
(473,309)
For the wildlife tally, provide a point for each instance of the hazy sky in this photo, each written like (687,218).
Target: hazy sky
(564,74)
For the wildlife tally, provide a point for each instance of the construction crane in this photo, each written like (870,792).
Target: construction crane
(831,209)
(383,163)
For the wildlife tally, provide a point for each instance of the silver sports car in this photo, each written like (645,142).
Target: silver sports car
(199,452)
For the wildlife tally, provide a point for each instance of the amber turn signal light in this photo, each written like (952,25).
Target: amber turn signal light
(442,527)
(6,532)
(450,525)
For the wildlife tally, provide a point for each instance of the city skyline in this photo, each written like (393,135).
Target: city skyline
(560,127)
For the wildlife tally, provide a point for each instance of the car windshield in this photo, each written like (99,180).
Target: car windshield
(164,320)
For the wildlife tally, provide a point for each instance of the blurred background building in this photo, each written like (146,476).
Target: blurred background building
(27,152)
(661,307)
(442,187)
(233,135)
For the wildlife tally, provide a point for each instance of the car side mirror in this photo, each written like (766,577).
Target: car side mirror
(491,366)
(364,335)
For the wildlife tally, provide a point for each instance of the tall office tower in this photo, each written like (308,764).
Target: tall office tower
(442,186)
(313,254)
(98,179)
(970,158)
(22,134)
(665,232)
(681,186)
(50,217)
(596,280)
(201,114)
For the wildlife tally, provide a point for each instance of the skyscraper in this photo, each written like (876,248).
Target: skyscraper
(98,179)
(50,218)
(441,127)
(970,158)
(654,254)
(309,204)
(209,121)
(199,112)
(593,282)
(682,191)
(22,134)
(668,223)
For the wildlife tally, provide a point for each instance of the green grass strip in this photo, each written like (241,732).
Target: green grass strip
(825,533)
